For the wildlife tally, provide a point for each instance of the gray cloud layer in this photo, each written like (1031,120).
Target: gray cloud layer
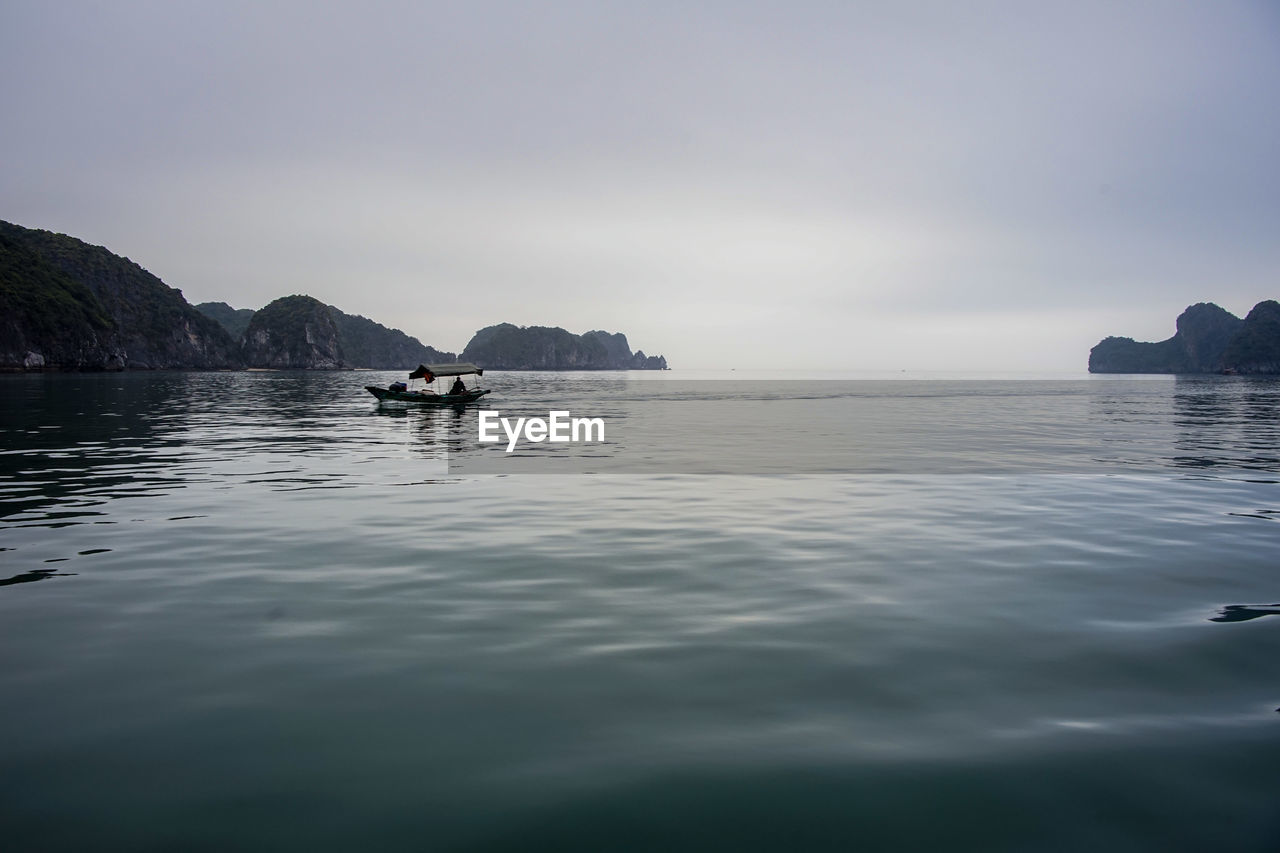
(859,185)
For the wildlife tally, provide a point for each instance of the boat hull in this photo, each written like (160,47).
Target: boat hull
(426,399)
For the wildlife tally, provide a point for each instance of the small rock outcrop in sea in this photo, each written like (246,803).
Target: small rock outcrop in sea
(1209,339)
(65,304)
(510,347)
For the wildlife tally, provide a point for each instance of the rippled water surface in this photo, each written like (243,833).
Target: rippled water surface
(260,611)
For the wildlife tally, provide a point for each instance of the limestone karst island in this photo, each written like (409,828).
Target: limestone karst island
(69,305)
(1208,339)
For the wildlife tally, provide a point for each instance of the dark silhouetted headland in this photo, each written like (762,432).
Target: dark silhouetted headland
(1208,339)
(510,347)
(69,305)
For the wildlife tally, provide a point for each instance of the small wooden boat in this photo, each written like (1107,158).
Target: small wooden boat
(428,398)
(428,394)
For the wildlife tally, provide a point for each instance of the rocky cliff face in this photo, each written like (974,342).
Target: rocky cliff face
(619,354)
(616,349)
(73,305)
(1204,332)
(295,332)
(510,347)
(1255,348)
(361,341)
(48,319)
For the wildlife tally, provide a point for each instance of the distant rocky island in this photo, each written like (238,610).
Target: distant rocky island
(69,305)
(510,347)
(1209,339)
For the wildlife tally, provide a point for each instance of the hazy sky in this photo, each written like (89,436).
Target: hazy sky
(964,185)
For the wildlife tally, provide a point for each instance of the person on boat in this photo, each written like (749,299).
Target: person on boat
(458,387)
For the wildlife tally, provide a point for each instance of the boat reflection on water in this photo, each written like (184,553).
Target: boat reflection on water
(438,432)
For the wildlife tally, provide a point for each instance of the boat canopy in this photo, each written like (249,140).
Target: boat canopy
(461,369)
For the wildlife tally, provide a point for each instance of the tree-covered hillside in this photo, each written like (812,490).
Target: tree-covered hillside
(1256,347)
(234,320)
(370,344)
(147,323)
(46,317)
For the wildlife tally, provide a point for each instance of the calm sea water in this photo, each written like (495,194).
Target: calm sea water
(259,611)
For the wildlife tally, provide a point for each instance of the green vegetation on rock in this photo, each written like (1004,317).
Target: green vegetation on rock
(46,317)
(1256,347)
(234,320)
(294,332)
(369,344)
(133,318)
(303,332)
(1209,339)
(69,305)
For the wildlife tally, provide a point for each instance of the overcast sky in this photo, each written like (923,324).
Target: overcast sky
(965,185)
